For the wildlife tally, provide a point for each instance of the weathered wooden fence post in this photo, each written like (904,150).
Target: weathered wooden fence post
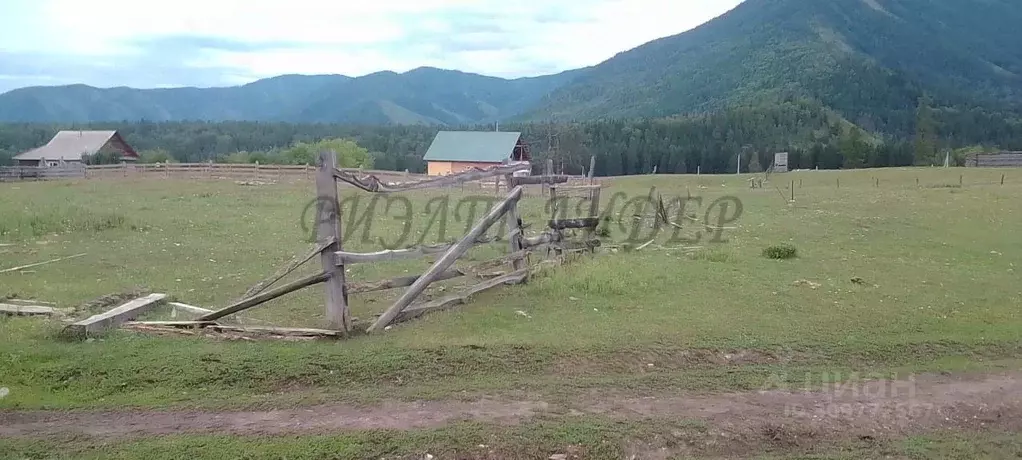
(514,227)
(594,209)
(548,170)
(328,235)
(592,167)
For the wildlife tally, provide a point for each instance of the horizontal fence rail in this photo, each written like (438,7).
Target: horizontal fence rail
(253,173)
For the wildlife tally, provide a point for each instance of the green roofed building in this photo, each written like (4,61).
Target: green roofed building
(456,151)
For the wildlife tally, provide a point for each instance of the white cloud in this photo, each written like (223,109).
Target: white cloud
(509,39)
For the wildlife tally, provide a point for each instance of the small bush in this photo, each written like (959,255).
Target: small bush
(780,252)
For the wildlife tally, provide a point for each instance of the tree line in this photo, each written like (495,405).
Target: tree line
(718,142)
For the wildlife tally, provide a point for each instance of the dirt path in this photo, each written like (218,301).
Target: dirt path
(856,409)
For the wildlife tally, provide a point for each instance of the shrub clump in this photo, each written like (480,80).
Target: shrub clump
(780,252)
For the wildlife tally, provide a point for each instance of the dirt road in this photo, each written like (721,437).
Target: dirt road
(853,409)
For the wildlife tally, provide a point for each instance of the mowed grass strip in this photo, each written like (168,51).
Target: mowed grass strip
(895,275)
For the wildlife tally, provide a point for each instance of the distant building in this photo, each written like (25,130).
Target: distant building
(70,147)
(994,160)
(456,151)
(781,162)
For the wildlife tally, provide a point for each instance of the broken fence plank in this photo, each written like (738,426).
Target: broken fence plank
(416,311)
(445,261)
(585,222)
(171,323)
(14,269)
(264,297)
(295,263)
(371,183)
(285,331)
(28,302)
(27,310)
(288,331)
(116,316)
(405,281)
(568,188)
(535,180)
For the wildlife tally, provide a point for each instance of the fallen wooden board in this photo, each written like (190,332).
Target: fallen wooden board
(171,323)
(116,316)
(287,331)
(27,310)
(14,269)
(28,302)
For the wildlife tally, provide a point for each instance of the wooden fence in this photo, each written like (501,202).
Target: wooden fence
(20,173)
(238,172)
(994,160)
(333,258)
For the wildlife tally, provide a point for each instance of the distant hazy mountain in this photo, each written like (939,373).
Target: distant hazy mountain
(420,96)
(867,60)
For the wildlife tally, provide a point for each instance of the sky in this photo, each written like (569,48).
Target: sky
(171,43)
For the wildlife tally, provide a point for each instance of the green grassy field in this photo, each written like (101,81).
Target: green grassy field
(934,263)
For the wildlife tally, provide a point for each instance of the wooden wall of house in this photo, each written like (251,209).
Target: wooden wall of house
(443,168)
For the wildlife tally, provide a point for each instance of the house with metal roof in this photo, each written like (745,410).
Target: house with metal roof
(73,147)
(456,151)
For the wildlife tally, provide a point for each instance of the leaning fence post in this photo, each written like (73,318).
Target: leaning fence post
(514,228)
(548,170)
(328,228)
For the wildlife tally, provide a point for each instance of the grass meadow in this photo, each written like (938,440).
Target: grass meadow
(897,271)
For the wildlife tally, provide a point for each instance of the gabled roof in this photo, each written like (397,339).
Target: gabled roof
(72,145)
(472,146)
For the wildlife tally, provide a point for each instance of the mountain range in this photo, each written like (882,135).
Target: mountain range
(867,60)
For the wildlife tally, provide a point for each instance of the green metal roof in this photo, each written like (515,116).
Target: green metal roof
(481,146)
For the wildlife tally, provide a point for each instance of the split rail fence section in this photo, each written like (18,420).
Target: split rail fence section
(333,258)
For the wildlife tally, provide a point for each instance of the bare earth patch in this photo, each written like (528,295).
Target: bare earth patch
(731,423)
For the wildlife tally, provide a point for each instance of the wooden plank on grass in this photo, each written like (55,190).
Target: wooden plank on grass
(26,310)
(171,323)
(284,331)
(116,316)
(23,267)
(28,302)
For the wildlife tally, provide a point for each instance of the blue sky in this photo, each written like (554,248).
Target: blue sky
(203,43)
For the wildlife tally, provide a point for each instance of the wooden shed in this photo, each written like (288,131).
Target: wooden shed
(456,151)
